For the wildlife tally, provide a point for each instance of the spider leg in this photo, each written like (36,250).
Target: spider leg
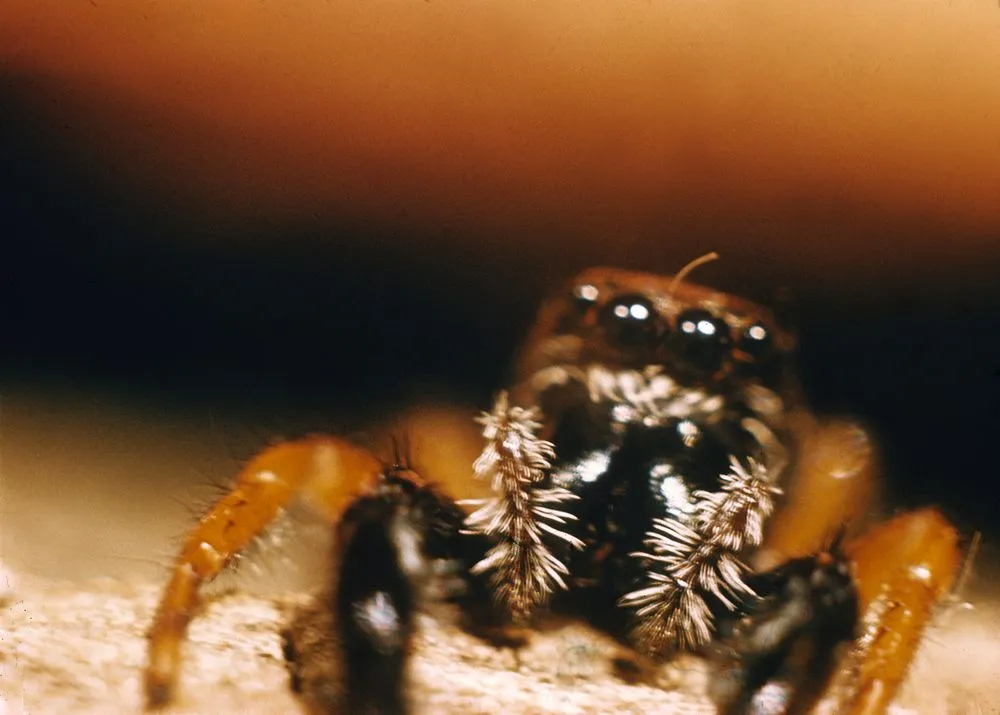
(874,595)
(325,472)
(779,655)
(902,569)
(831,490)
(397,547)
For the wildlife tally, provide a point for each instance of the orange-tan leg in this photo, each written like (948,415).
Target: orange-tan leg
(902,569)
(830,492)
(327,473)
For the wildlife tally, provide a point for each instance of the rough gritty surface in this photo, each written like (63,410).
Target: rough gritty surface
(72,649)
(81,651)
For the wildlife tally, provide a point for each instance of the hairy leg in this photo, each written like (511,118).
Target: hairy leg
(397,547)
(902,570)
(325,472)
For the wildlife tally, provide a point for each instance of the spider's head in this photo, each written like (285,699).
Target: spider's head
(623,320)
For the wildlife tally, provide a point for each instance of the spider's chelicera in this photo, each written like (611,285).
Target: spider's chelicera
(654,468)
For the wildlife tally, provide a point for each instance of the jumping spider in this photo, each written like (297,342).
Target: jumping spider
(654,468)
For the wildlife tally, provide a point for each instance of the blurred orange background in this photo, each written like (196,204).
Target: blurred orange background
(840,142)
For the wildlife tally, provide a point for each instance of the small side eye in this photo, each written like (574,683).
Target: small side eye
(579,311)
(702,340)
(585,296)
(631,321)
(757,342)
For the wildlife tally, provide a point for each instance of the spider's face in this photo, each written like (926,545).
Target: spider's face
(650,391)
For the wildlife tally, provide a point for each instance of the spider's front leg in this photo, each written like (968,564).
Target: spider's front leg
(326,472)
(397,546)
(388,521)
(860,608)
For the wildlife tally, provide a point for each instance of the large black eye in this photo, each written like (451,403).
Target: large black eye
(702,341)
(757,342)
(631,321)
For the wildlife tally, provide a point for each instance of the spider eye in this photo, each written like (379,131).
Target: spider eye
(757,342)
(631,321)
(702,340)
(585,296)
(579,310)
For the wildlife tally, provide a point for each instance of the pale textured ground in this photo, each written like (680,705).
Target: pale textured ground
(80,649)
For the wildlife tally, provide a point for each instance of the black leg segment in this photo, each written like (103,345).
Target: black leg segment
(778,657)
(396,547)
